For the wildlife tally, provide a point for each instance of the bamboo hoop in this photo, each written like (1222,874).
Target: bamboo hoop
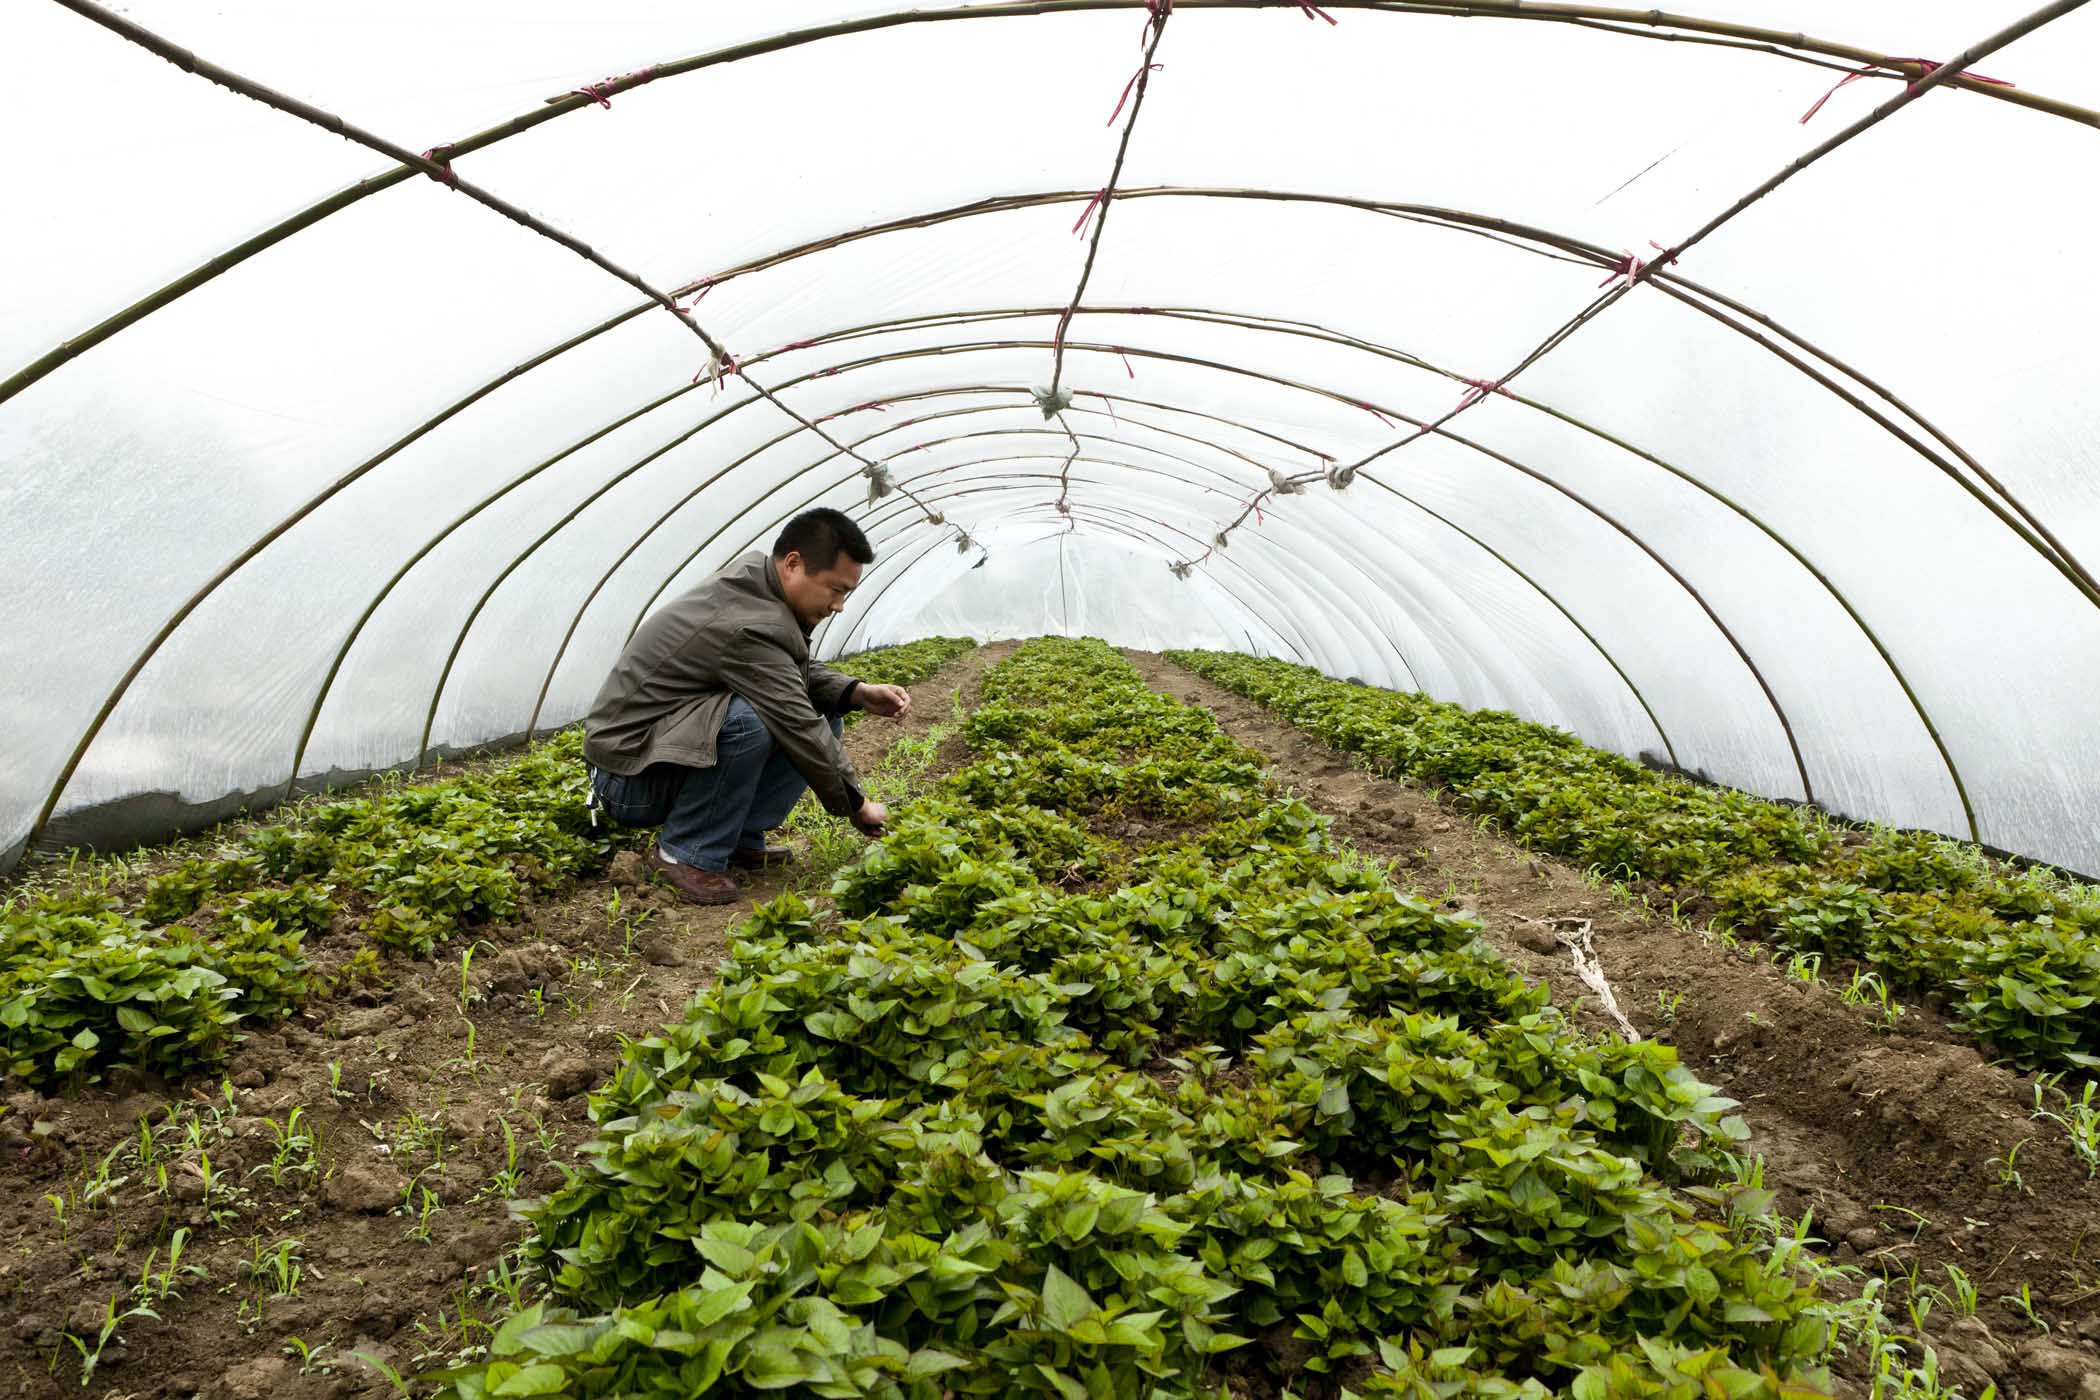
(1156,30)
(1333,600)
(1298,648)
(1800,762)
(1636,272)
(1735,643)
(439,170)
(1641,24)
(1453,219)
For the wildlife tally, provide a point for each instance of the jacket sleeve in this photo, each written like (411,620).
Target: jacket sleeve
(770,680)
(830,691)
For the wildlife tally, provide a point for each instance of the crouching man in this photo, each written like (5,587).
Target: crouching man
(714,720)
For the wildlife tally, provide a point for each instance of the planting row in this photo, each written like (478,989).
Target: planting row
(2015,955)
(1106,1074)
(165,980)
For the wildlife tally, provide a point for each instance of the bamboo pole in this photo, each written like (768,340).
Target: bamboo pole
(1334,600)
(1501,230)
(1643,24)
(1155,30)
(1636,272)
(1297,648)
(1662,733)
(439,170)
(1699,599)
(1950,73)
(1691,591)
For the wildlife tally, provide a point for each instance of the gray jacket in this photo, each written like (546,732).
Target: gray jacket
(732,635)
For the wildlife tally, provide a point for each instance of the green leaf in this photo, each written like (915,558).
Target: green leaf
(1064,1302)
(541,1378)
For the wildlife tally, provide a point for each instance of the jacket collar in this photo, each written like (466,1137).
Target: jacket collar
(771,572)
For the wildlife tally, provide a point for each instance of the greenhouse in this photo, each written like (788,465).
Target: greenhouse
(1462,644)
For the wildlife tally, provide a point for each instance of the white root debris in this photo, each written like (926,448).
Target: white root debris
(1574,935)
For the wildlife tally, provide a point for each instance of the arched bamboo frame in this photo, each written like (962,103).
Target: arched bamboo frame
(1632,23)
(1750,664)
(1151,536)
(1333,601)
(1594,16)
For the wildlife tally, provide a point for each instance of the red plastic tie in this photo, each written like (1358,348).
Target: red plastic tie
(1126,362)
(875,404)
(595,92)
(1091,205)
(1373,412)
(1480,389)
(1926,67)
(792,345)
(441,157)
(826,373)
(1315,12)
(1155,16)
(1628,267)
(1143,69)
(704,286)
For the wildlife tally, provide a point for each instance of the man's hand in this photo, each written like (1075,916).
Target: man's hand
(889,701)
(871,816)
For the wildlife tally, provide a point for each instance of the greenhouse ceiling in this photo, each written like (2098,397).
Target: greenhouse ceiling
(1718,386)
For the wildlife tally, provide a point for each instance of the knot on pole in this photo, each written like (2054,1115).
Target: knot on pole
(1052,401)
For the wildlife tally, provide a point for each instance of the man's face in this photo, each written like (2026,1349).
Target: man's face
(815,594)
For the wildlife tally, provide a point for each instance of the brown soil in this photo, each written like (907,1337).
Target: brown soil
(552,995)
(1894,1140)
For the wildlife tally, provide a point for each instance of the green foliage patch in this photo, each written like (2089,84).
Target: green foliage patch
(1227,1105)
(216,944)
(2015,956)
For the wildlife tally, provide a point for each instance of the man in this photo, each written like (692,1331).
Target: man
(714,720)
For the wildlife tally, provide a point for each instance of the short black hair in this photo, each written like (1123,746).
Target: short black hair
(820,536)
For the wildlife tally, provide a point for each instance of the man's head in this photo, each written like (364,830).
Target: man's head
(819,557)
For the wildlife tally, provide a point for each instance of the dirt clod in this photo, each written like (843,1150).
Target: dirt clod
(627,870)
(1538,939)
(660,951)
(365,1187)
(567,1075)
(258,1379)
(2059,1370)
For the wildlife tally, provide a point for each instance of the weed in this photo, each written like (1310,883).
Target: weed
(309,1357)
(2023,1301)
(1961,1291)
(2008,1173)
(90,1357)
(2080,1120)
(159,1287)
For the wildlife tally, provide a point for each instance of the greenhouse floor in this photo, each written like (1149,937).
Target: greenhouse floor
(1914,1153)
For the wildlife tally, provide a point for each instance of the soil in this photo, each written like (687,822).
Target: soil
(1897,1141)
(551,997)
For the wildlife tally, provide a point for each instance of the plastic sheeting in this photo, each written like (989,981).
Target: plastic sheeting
(314,466)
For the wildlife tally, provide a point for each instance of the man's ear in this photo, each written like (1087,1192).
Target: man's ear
(794,556)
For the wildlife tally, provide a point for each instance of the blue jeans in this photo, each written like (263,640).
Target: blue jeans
(707,812)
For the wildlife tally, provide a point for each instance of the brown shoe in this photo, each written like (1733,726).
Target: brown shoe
(759,857)
(692,884)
